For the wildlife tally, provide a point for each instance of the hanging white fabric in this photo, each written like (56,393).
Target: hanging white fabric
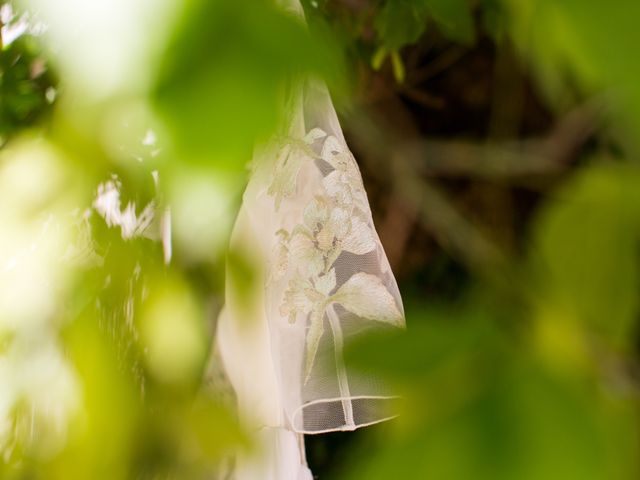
(320,278)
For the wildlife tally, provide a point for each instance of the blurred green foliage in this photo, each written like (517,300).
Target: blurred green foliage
(25,83)
(482,406)
(401,22)
(105,346)
(587,43)
(230,97)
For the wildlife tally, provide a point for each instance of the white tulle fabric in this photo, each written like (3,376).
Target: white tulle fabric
(319,278)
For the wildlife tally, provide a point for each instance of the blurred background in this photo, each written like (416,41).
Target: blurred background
(497,142)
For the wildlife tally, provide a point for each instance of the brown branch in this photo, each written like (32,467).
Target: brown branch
(422,98)
(531,157)
(450,228)
(438,65)
(453,231)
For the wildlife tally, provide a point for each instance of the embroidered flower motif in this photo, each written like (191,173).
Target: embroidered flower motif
(281,256)
(336,220)
(290,158)
(303,248)
(363,295)
(344,182)
(298,299)
(336,228)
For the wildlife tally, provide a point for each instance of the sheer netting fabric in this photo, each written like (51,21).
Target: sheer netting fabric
(319,278)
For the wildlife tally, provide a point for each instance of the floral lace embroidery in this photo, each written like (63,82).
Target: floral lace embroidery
(334,221)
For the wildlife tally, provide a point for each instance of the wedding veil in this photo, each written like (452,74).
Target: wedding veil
(319,277)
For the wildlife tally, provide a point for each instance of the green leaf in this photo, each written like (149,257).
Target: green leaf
(524,425)
(378,58)
(398,67)
(220,82)
(587,42)
(587,252)
(478,405)
(400,22)
(454,18)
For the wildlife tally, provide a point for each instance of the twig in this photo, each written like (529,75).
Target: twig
(423,98)
(532,157)
(448,226)
(437,66)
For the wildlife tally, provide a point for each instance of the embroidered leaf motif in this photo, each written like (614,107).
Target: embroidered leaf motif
(287,168)
(327,282)
(314,334)
(360,239)
(313,135)
(365,296)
